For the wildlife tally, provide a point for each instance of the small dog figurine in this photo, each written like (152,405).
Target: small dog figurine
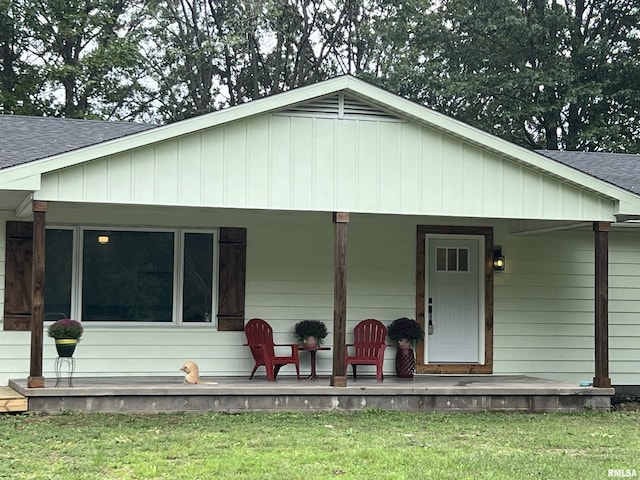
(192,374)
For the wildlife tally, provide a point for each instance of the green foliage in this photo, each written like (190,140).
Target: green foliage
(405,328)
(18,78)
(370,444)
(540,74)
(310,328)
(209,55)
(77,58)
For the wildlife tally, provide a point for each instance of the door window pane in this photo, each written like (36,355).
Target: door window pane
(441,259)
(452,260)
(127,276)
(463,259)
(58,271)
(198,277)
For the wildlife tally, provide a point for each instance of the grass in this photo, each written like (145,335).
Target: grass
(367,445)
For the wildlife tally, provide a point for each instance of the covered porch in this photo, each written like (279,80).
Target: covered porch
(424,393)
(536,318)
(284,200)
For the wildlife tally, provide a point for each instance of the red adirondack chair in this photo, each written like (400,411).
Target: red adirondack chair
(368,346)
(260,340)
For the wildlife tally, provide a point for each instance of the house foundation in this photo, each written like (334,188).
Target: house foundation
(425,393)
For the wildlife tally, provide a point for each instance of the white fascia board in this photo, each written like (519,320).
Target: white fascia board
(30,182)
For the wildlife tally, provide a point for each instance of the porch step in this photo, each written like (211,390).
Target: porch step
(12,401)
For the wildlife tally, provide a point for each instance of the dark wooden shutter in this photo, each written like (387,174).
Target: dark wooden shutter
(232,275)
(18,273)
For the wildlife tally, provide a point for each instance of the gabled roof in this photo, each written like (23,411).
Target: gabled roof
(26,176)
(620,169)
(25,139)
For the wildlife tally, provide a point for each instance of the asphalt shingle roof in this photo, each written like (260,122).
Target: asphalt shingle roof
(620,169)
(25,139)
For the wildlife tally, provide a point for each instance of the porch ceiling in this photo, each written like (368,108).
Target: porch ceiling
(10,200)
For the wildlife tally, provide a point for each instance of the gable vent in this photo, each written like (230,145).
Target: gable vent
(339,106)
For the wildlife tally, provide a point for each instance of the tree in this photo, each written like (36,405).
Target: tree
(540,73)
(86,56)
(16,76)
(207,55)
(544,74)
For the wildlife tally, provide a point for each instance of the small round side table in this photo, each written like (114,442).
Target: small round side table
(312,353)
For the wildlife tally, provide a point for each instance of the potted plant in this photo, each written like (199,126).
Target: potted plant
(66,333)
(311,332)
(406,332)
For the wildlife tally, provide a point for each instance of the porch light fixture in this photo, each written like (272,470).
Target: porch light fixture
(498,259)
(103,239)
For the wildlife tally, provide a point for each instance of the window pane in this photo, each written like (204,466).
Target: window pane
(452,264)
(57,280)
(198,277)
(463,260)
(441,259)
(127,276)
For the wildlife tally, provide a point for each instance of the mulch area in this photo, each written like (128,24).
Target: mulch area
(629,404)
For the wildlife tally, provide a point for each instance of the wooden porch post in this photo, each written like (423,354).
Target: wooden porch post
(601,231)
(36,380)
(339,374)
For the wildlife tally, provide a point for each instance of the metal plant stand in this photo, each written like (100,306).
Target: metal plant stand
(70,362)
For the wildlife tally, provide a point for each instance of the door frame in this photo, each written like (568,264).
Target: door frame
(460,368)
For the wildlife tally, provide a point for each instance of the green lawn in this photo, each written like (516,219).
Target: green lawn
(368,445)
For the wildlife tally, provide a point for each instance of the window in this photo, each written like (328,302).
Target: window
(197,284)
(127,275)
(132,275)
(58,274)
(63,276)
(452,259)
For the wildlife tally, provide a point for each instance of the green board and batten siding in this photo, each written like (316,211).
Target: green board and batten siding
(543,301)
(296,163)
(544,307)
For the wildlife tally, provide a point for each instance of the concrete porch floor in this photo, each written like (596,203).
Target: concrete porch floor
(428,393)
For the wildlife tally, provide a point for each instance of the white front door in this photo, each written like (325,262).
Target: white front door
(453,296)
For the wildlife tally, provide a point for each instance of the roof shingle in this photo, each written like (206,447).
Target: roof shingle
(25,139)
(620,169)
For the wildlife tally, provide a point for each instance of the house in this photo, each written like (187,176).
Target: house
(338,201)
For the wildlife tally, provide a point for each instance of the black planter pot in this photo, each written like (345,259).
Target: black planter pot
(66,346)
